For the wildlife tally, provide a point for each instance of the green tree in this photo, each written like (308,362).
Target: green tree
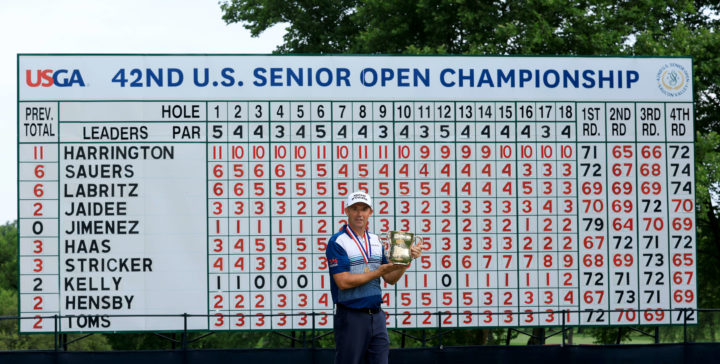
(317,26)
(543,27)
(8,256)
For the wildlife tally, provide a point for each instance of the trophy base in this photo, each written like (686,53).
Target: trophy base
(400,263)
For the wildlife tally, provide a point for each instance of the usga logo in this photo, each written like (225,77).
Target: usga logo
(673,79)
(59,78)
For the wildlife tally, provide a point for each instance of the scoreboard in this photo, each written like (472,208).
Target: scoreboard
(548,190)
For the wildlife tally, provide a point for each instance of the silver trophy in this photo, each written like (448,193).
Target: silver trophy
(397,245)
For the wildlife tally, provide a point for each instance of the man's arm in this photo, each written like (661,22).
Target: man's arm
(394,276)
(346,280)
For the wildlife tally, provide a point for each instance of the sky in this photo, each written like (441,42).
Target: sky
(102,26)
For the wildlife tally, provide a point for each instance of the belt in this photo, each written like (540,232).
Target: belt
(368,311)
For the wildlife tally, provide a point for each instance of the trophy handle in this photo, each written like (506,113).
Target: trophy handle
(421,241)
(385,240)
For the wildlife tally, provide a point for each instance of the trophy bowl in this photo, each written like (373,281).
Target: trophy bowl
(397,245)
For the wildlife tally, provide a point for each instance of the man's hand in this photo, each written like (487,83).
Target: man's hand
(393,272)
(390,267)
(416,250)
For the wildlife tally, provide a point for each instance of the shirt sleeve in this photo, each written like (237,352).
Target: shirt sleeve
(384,257)
(337,258)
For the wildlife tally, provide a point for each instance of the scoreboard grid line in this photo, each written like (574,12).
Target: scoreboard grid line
(457,223)
(517,218)
(667,216)
(312,243)
(207,220)
(240,142)
(58,322)
(637,215)
(577,217)
(17,188)
(395,293)
(607,224)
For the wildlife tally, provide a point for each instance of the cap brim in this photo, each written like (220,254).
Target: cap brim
(360,202)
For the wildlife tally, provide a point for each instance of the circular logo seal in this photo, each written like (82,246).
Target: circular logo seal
(673,79)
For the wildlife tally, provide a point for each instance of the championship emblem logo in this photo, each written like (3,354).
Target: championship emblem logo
(673,79)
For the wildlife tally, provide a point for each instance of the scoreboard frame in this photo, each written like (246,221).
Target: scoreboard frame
(335,199)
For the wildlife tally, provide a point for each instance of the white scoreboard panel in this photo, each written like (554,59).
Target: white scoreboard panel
(210,185)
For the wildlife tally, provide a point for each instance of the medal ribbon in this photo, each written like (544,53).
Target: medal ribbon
(365,252)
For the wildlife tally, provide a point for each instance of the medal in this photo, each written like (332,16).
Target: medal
(365,251)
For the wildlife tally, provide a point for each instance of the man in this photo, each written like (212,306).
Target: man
(357,261)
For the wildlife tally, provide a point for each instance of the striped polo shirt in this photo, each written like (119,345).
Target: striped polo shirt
(344,255)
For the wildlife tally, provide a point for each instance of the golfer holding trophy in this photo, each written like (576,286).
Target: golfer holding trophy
(357,259)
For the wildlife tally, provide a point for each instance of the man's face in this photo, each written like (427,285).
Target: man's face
(358,216)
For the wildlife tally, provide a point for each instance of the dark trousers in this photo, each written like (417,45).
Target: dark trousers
(360,337)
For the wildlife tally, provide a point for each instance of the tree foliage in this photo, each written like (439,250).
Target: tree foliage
(541,27)
(8,256)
